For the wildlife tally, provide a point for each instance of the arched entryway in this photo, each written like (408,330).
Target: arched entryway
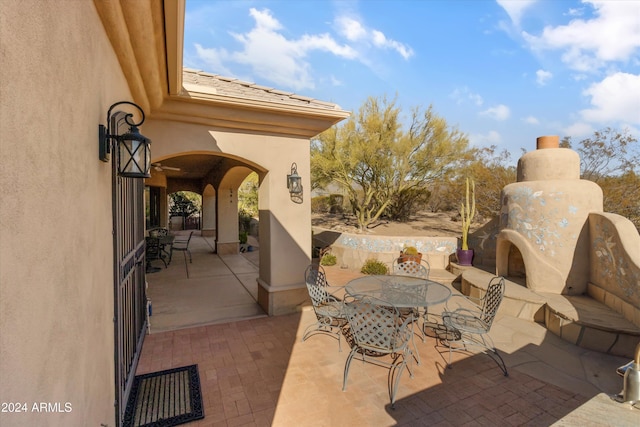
(217,285)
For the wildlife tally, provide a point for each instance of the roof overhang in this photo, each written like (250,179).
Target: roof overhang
(148,37)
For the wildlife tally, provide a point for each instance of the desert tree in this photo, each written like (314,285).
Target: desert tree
(490,169)
(609,152)
(381,166)
(611,159)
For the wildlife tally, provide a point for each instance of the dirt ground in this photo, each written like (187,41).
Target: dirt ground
(439,224)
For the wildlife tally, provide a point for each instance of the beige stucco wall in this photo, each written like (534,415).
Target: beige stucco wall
(615,264)
(285,226)
(59,77)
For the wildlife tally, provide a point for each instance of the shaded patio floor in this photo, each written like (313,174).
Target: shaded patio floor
(258,372)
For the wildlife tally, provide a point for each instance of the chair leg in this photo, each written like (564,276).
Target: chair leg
(346,368)
(492,352)
(395,373)
(413,342)
(321,328)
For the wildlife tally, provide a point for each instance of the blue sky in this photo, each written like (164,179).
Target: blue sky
(503,72)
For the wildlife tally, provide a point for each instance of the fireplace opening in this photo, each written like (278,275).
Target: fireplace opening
(516,271)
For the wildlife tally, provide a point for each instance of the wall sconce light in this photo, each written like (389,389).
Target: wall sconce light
(134,154)
(294,181)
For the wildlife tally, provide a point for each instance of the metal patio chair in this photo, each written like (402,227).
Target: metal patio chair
(181,245)
(153,252)
(411,268)
(469,325)
(377,332)
(327,307)
(414,269)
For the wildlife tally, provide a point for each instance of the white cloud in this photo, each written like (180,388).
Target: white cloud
(515,8)
(274,57)
(542,77)
(578,130)
(614,99)
(463,94)
(351,29)
(499,112)
(531,120)
(589,45)
(491,138)
(214,58)
(355,31)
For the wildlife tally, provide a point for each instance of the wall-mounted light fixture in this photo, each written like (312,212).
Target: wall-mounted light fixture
(134,156)
(294,181)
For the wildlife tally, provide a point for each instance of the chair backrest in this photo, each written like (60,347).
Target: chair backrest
(182,243)
(410,268)
(162,232)
(374,324)
(316,280)
(492,299)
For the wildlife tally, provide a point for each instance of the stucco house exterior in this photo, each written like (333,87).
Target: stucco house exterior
(72,231)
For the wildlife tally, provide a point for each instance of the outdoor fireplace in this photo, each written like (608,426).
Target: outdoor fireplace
(544,233)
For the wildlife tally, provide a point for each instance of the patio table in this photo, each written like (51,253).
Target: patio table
(165,243)
(400,291)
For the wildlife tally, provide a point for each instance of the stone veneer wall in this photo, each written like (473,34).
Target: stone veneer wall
(352,250)
(615,264)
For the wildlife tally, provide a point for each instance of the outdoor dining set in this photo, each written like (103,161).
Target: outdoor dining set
(160,245)
(380,315)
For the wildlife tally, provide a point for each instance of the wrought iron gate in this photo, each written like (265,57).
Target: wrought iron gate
(130,319)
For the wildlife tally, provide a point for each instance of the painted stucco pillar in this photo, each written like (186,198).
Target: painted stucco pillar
(209,212)
(227,239)
(545,216)
(285,239)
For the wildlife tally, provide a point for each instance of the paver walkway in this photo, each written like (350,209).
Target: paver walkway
(258,372)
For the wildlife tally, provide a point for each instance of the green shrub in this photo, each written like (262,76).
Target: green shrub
(329,259)
(244,220)
(374,266)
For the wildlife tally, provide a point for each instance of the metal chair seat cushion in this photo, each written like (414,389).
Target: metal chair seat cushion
(331,309)
(465,320)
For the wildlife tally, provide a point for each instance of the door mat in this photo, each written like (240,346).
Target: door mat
(164,399)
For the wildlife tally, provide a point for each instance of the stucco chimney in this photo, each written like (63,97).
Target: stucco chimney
(552,141)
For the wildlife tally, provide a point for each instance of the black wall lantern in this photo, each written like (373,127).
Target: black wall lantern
(294,181)
(134,155)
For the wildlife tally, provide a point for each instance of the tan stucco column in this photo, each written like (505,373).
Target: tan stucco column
(227,228)
(285,240)
(209,212)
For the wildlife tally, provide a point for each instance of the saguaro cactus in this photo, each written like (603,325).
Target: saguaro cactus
(467,212)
